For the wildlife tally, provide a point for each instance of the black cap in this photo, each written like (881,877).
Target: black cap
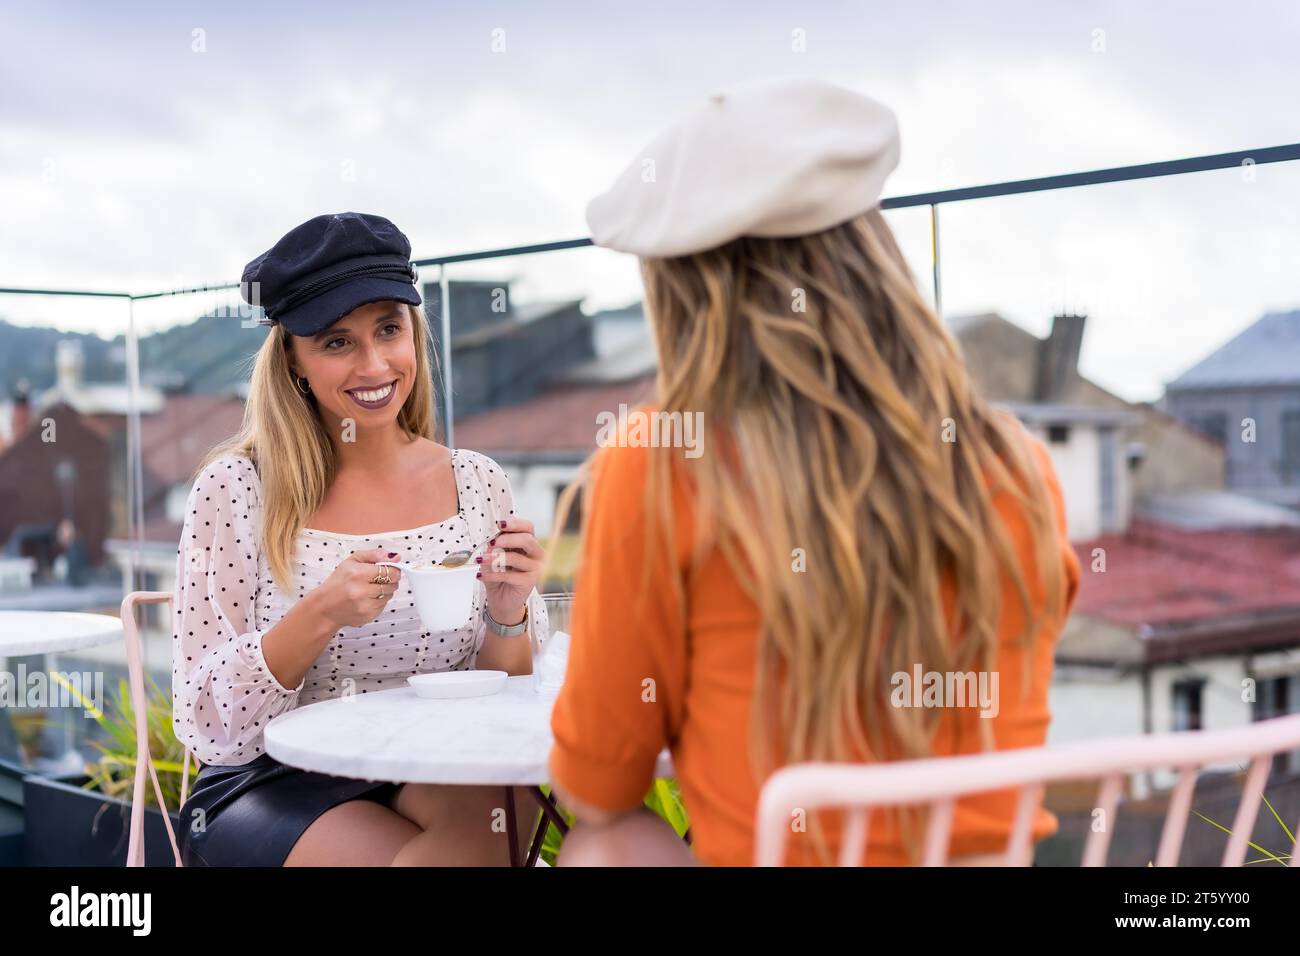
(322,270)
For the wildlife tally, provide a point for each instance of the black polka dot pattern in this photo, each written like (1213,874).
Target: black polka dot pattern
(223,693)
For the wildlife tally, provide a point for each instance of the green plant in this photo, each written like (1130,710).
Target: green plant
(663,798)
(27,728)
(1269,856)
(114,772)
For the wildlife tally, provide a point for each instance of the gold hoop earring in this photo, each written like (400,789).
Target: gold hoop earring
(301,384)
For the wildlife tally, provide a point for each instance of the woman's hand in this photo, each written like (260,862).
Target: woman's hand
(510,569)
(349,597)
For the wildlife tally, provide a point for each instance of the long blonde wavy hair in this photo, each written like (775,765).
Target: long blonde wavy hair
(283,435)
(836,410)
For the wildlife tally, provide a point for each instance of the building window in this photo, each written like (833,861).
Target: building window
(573,523)
(1290,445)
(1058,434)
(1108,439)
(1187,704)
(1272,697)
(1211,424)
(1277,697)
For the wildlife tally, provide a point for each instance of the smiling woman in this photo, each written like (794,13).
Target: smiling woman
(366,356)
(280,600)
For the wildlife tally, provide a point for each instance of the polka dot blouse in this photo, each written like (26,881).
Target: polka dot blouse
(223,694)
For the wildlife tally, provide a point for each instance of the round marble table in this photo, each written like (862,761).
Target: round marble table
(50,632)
(393,735)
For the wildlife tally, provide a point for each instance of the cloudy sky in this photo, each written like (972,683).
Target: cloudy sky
(159,145)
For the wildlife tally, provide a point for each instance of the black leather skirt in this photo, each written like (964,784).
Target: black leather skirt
(253,814)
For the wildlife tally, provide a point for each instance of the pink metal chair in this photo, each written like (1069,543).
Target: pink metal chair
(143,759)
(941,781)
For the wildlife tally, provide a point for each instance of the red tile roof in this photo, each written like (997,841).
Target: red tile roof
(103,425)
(174,440)
(1157,574)
(557,420)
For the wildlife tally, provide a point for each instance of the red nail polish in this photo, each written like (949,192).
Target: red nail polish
(479,574)
(392,554)
(478,560)
(502,523)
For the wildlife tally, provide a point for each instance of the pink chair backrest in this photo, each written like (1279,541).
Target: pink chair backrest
(941,781)
(143,759)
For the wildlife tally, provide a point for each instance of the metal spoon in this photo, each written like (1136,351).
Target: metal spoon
(458,559)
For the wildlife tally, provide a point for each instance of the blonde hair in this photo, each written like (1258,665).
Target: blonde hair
(817,362)
(283,436)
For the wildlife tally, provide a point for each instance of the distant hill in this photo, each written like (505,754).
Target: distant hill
(210,354)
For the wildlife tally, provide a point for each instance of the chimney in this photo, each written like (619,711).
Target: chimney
(22,413)
(69,362)
(1058,358)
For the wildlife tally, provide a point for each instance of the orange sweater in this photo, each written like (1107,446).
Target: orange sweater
(646,674)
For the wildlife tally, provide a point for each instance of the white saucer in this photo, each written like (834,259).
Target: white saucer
(458,683)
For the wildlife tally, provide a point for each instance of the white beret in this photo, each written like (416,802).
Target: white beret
(774,157)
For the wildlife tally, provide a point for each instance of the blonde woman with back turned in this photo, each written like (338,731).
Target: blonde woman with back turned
(858,509)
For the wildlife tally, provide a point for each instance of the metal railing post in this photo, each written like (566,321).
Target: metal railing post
(444,300)
(134,458)
(934,260)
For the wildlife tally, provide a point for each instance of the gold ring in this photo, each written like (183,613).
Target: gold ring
(380,595)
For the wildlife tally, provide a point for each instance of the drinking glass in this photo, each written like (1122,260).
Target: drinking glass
(551,658)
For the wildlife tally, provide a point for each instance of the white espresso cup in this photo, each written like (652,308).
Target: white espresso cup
(443,596)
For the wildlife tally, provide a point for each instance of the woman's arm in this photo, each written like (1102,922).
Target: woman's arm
(510,571)
(510,654)
(224,691)
(623,695)
(514,655)
(297,641)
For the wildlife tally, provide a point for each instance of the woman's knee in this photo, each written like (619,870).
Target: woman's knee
(355,833)
(432,805)
(465,824)
(637,839)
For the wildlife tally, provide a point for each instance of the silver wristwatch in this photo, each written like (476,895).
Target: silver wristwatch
(506,630)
